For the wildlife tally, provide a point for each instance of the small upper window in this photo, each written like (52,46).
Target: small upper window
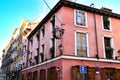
(106,23)
(80,18)
(43,30)
(37,36)
(31,41)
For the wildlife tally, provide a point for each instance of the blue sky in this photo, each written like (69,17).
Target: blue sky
(13,11)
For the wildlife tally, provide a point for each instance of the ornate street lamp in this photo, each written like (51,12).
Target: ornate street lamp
(118,54)
(61,49)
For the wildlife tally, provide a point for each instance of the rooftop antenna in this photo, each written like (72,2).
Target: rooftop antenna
(92,5)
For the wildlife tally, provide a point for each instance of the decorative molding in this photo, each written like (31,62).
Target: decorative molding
(73,58)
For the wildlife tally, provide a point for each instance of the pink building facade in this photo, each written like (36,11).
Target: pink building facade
(74,42)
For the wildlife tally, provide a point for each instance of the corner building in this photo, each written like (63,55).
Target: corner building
(74,42)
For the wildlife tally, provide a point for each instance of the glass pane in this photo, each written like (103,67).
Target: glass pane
(106,22)
(81,44)
(78,42)
(84,43)
(80,18)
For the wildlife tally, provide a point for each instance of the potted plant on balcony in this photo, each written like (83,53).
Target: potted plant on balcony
(42,54)
(109,49)
(109,52)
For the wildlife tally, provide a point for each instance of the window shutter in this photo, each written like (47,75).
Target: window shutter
(103,74)
(91,73)
(117,74)
(75,70)
(35,75)
(43,74)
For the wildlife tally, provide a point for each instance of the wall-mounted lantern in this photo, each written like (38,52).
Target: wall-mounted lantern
(118,54)
(61,48)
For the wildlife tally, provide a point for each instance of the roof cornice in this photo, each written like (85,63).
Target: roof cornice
(74,6)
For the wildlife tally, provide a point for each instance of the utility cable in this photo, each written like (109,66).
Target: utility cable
(50,9)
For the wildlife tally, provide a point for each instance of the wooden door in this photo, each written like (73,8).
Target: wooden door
(108,74)
(91,73)
(117,74)
(75,71)
(35,75)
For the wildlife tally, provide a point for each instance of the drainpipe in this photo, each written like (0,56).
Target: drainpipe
(27,54)
(38,47)
(97,54)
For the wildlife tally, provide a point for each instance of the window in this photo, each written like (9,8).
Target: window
(37,35)
(52,48)
(43,30)
(52,20)
(31,41)
(108,48)
(80,18)
(106,23)
(36,56)
(81,44)
(42,53)
(30,59)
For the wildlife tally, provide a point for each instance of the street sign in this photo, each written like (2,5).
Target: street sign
(83,69)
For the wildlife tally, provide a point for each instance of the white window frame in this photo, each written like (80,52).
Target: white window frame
(85,19)
(86,41)
(103,24)
(111,43)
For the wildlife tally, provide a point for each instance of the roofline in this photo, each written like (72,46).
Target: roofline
(75,6)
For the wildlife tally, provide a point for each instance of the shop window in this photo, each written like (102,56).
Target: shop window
(80,18)
(81,44)
(106,23)
(108,48)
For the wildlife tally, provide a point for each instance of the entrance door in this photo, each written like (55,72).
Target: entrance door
(108,74)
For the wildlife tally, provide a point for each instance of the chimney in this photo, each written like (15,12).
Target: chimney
(106,9)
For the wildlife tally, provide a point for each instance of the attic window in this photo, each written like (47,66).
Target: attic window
(106,23)
(80,18)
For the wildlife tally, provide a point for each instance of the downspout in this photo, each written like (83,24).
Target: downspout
(38,47)
(97,54)
(27,54)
